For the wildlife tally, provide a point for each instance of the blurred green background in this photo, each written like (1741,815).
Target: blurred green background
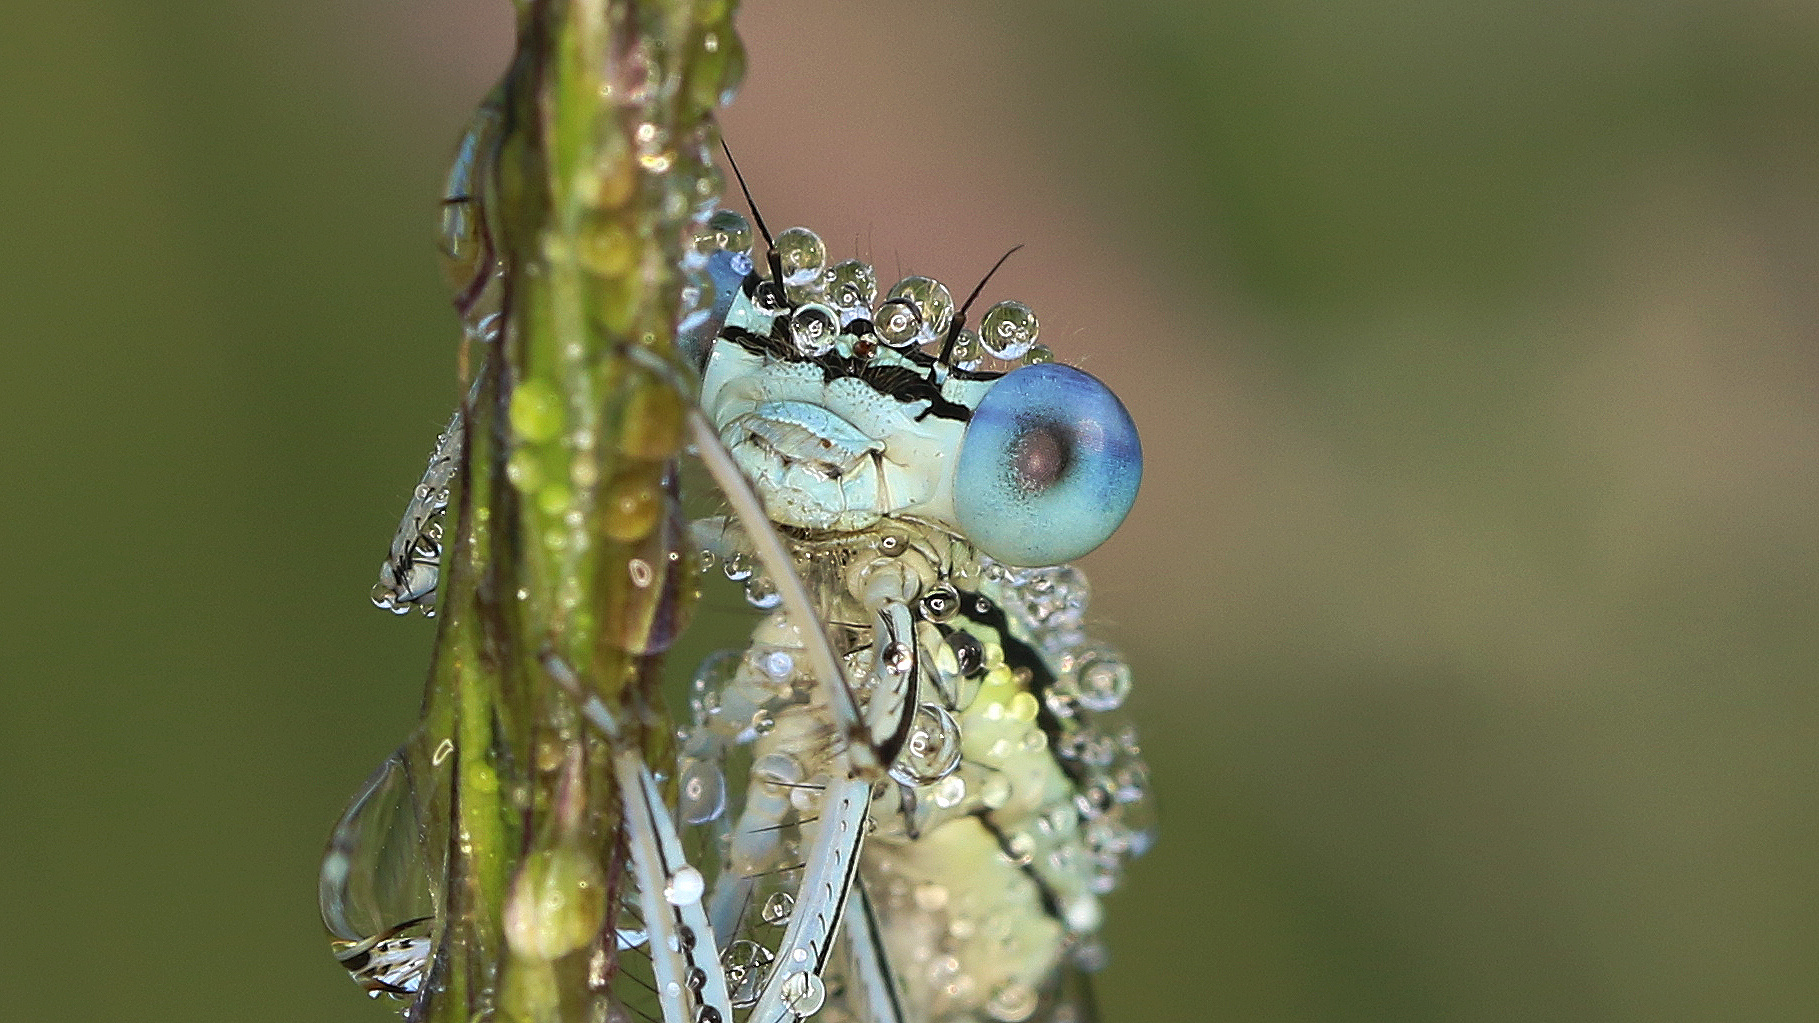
(1472,589)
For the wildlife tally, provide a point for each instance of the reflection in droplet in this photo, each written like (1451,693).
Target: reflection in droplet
(813,328)
(1008,330)
(727,230)
(897,323)
(382,865)
(802,254)
(745,962)
(932,749)
(777,909)
(380,883)
(701,791)
(933,304)
(761,593)
(851,286)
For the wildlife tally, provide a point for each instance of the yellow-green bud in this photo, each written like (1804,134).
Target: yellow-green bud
(557,903)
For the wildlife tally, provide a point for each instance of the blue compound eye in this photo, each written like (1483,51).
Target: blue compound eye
(1049,467)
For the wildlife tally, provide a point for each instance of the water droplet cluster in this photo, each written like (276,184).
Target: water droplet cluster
(827,301)
(1010,806)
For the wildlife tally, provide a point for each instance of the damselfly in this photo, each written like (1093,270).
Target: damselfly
(902,800)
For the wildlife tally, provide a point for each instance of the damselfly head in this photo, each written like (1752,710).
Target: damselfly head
(846,407)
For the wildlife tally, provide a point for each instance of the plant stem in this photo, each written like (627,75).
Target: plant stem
(567,541)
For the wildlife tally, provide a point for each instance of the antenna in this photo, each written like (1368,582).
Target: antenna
(953,330)
(770,246)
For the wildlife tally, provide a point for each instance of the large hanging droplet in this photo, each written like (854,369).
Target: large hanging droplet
(381,877)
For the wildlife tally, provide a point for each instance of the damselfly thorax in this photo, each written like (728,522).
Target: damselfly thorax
(904,796)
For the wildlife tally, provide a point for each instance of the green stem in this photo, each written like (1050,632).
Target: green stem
(567,538)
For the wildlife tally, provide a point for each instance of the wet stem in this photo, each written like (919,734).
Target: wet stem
(571,435)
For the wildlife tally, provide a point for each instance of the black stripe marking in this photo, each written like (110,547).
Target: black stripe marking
(1050,904)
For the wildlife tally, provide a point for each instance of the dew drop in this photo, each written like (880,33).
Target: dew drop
(701,791)
(684,887)
(851,286)
(940,604)
(950,792)
(802,254)
(931,751)
(1008,330)
(897,323)
(930,897)
(967,352)
(778,664)
(777,909)
(745,961)
(933,304)
(761,593)
(813,328)
(804,992)
(995,792)
(728,231)
(969,655)
(1012,1003)
(384,856)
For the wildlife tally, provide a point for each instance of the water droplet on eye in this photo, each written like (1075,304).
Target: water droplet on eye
(933,304)
(804,992)
(932,749)
(802,254)
(1008,330)
(1012,1003)
(745,961)
(1037,355)
(851,286)
(701,790)
(813,328)
(777,909)
(684,887)
(726,230)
